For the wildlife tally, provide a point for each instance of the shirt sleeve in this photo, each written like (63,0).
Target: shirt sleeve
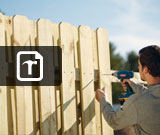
(126,116)
(138,88)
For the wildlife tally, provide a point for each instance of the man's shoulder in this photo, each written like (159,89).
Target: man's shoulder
(139,98)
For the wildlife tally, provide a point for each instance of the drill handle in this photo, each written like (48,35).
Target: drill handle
(129,89)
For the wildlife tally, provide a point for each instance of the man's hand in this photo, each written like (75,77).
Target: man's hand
(124,85)
(100,93)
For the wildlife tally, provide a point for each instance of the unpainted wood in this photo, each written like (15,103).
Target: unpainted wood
(3,90)
(95,61)
(35,90)
(87,80)
(104,68)
(55,37)
(58,110)
(46,93)
(24,112)
(77,83)
(11,107)
(68,101)
(85,55)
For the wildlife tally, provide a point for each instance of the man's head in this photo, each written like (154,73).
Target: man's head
(149,61)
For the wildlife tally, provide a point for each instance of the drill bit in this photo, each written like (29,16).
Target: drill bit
(113,74)
(106,74)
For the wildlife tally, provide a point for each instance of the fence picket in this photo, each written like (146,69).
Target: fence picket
(46,93)
(55,37)
(87,80)
(77,85)
(104,68)
(21,37)
(97,105)
(68,101)
(3,90)
(35,91)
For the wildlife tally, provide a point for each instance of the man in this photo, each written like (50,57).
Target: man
(142,109)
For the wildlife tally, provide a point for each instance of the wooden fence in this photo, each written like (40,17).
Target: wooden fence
(71,108)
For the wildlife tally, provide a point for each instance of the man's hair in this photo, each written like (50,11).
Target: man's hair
(150,57)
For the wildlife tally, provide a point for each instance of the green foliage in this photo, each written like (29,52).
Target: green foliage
(116,59)
(132,62)
(116,92)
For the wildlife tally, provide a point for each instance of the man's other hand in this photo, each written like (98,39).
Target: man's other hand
(99,94)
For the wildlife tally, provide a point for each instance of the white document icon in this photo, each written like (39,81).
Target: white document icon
(29,63)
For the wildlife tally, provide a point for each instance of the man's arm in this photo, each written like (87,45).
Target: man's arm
(124,117)
(137,88)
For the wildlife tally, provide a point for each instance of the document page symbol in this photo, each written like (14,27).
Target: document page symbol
(30,64)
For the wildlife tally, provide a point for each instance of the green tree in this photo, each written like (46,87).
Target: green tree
(132,62)
(117,60)
(117,63)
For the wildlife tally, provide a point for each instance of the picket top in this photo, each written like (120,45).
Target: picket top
(21,24)
(2,30)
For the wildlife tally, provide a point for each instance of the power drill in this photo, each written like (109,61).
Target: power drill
(124,75)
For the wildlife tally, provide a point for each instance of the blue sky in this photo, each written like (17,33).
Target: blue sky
(131,24)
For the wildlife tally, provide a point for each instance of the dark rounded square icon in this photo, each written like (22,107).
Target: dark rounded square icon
(30,65)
